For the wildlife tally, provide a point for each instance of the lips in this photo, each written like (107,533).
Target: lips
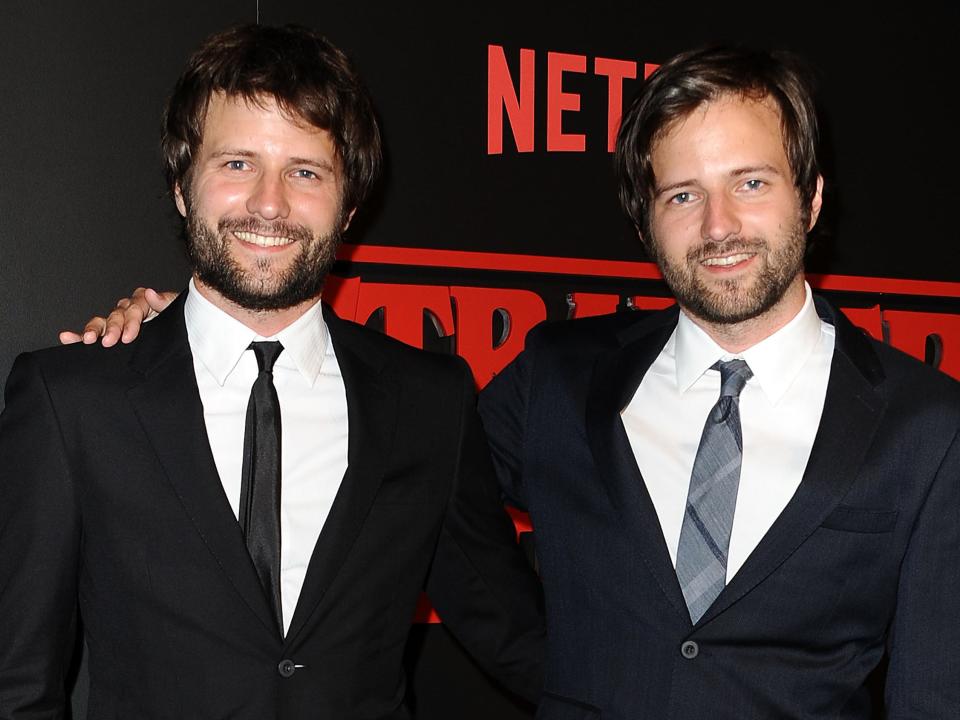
(263,240)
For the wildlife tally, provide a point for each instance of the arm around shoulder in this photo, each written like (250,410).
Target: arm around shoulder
(480,582)
(503,409)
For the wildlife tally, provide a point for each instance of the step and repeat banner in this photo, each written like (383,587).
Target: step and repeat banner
(499,206)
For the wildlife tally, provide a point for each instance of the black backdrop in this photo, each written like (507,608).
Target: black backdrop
(84,216)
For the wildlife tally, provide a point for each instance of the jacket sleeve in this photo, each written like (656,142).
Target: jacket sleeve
(503,408)
(482,586)
(39,550)
(923,677)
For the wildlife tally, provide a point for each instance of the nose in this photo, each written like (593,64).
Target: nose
(720,219)
(269,198)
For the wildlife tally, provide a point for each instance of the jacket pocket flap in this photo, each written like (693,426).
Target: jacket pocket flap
(861,520)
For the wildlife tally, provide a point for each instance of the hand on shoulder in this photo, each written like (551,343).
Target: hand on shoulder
(123,323)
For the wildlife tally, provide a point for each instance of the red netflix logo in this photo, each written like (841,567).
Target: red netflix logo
(516,99)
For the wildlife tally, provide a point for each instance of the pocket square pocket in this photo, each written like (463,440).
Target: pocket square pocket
(555,707)
(860,520)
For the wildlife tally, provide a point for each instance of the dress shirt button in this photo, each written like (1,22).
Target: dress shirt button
(286,668)
(689,649)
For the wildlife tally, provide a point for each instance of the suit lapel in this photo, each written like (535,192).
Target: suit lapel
(851,415)
(372,403)
(167,404)
(616,376)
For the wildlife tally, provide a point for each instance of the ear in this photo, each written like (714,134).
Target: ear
(346,223)
(178,200)
(643,238)
(816,204)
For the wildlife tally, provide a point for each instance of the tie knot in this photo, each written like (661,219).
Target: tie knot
(733,376)
(267,353)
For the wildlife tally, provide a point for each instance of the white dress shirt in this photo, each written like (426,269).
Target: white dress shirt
(313,409)
(780,409)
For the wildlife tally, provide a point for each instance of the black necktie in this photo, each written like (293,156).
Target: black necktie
(260,488)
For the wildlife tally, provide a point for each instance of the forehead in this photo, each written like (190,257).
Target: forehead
(256,123)
(728,132)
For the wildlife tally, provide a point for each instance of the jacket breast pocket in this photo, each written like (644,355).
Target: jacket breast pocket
(555,707)
(860,520)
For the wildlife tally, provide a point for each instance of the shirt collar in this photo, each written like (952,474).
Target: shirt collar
(219,341)
(775,361)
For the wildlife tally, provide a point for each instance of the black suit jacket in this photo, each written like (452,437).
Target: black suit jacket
(110,502)
(861,568)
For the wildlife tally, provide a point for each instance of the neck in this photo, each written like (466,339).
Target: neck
(737,337)
(265,323)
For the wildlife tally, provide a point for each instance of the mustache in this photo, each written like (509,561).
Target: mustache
(731,246)
(262,227)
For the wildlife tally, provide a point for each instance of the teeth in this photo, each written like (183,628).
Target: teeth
(728,260)
(262,240)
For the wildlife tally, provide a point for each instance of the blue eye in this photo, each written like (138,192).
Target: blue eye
(236,164)
(303,173)
(681,198)
(754,184)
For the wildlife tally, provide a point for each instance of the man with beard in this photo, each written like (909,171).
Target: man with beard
(744,507)
(244,505)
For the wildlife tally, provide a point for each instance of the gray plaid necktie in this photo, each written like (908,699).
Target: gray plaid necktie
(712,497)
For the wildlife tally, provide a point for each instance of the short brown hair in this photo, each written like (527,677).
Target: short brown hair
(305,74)
(688,80)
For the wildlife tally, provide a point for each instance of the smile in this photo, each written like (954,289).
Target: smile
(727,260)
(262,240)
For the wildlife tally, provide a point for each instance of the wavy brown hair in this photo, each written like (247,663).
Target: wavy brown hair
(693,78)
(307,76)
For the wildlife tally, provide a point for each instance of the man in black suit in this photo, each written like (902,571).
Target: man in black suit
(633,439)
(243,506)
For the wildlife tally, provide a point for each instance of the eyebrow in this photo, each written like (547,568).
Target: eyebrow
(313,162)
(735,173)
(751,169)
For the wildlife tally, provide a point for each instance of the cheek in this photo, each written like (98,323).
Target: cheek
(776,217)
(319,212)
(219,199)
(676,233)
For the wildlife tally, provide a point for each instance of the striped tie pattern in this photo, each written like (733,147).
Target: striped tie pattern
(712,497)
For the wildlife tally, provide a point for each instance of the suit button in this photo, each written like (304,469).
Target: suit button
(689,649)
(286,668)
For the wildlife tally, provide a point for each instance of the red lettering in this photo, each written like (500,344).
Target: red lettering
(521,520)
(616,71)
(559,101)
(909,332)
(341,294)
(404,307)
(501,95)
(644,302)
(476,307)
(590,304)
(868,319)
(648,69)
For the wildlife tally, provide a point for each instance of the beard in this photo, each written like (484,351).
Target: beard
(735,300)
(262,288)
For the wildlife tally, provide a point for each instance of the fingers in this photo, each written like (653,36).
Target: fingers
(123,323)
(125,320)
(92,331)
(158,301)
(132,312)
(68,337)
